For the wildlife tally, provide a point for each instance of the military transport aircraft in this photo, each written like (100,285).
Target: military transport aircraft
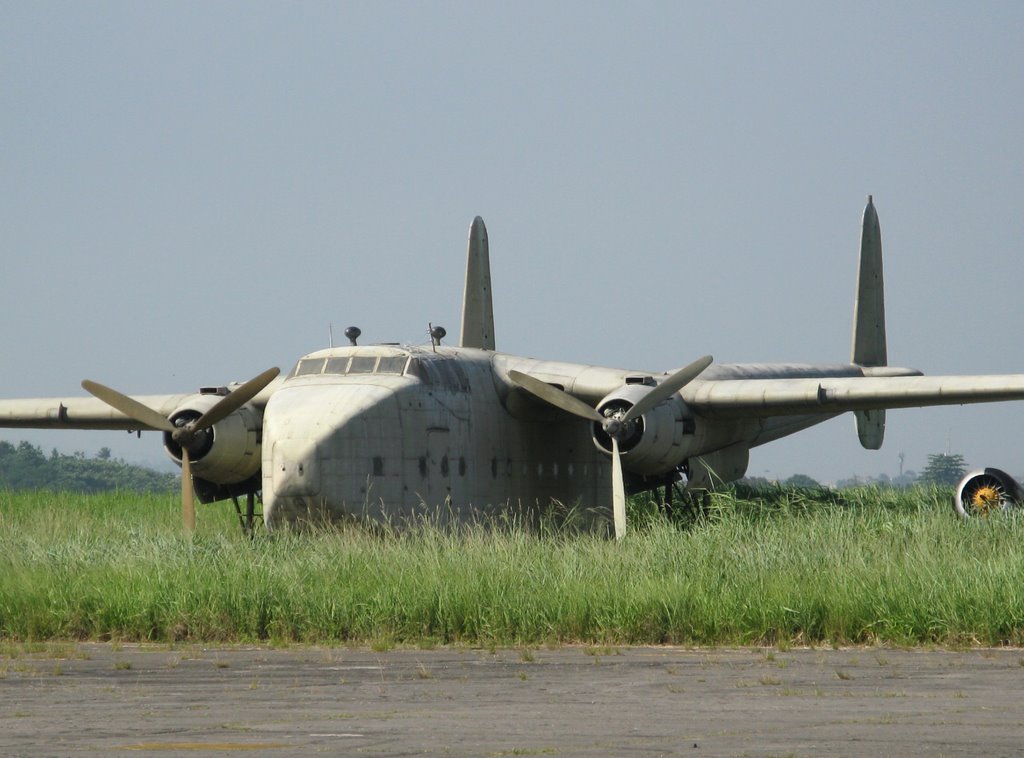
(386,431)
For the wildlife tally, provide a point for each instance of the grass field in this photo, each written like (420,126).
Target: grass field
(781,567)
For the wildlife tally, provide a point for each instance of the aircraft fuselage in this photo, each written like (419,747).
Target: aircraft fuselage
(389,432)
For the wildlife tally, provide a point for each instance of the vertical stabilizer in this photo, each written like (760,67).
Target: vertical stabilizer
(477,308)
(869,307)
(869,321)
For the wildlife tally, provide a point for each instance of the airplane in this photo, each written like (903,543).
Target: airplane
(389,431)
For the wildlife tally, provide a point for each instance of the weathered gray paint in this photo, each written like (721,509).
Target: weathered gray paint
(477,307)
(869,345)
(452,432)
(393,446)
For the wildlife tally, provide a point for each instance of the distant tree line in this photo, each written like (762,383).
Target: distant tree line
(943,470)
(25,467)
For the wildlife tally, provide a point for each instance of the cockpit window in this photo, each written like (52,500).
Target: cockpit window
(357,364)
(416,369)
(337,365)
(391,365)
(362,364)
(309,366)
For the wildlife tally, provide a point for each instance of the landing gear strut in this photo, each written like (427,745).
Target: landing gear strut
(248,519)
(680,501)
(666,502)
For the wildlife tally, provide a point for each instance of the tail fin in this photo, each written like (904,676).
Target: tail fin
(477,309)
(869,321)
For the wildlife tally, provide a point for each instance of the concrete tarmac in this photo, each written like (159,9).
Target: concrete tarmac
(102,699)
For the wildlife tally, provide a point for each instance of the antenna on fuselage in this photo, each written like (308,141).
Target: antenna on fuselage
(437,333)
(330,335)
(353,333)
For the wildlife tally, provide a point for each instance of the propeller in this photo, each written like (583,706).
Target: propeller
(186,434)
(613,426)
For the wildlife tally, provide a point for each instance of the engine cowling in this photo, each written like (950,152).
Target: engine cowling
(983,491)
(226,453)
(657,442)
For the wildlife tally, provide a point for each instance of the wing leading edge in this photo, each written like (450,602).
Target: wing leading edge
(738,398)
(80,412)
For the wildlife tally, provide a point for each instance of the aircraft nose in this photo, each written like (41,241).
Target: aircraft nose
(319,444)
(295,467)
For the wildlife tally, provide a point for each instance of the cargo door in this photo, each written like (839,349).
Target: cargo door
(439,469)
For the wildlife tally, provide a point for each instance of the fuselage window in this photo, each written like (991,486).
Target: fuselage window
(309,366)
(363,364)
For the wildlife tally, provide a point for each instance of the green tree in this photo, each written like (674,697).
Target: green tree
(801,480)
(943,469)
(26,468)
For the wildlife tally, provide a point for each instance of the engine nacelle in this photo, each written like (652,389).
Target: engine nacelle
(981,492)
(226,453)
(657,442)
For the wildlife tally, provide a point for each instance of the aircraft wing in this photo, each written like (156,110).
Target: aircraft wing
(93,413)
(80,412)
(740,398)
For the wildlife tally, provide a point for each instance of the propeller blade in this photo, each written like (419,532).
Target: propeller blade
(618,493)
(128,406)
(565,401)
(146,415)
(668,388)
(188,501)
(556,397)
(235,399)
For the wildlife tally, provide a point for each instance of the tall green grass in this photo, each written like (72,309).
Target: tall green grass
(781,567)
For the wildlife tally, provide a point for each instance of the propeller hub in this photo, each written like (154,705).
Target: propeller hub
(184,435)
(182,431)
(187,435)
(618,426)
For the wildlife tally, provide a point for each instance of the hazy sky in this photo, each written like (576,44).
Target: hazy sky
(192,192)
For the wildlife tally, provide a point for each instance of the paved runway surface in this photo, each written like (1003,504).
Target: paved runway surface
(109,699)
